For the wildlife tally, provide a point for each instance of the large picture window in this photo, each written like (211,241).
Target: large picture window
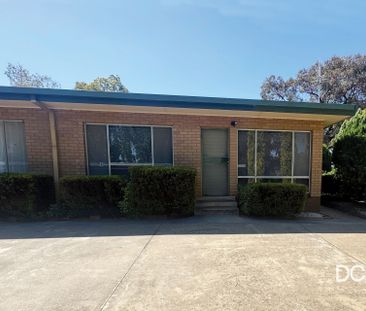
(111,149)
(12,147)
(273,156)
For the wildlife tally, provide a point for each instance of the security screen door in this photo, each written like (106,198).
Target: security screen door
(215,162)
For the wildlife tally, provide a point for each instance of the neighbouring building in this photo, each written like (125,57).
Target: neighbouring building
(228,141)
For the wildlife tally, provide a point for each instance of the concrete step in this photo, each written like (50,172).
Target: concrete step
(217,211)
(201,204)
(218,205)
(213,209)
(216,199)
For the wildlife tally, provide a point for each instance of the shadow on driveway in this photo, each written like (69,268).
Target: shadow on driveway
(192,225)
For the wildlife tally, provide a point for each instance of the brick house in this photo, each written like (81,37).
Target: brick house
(228,141)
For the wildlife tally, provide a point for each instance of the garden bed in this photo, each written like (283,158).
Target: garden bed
(353,208)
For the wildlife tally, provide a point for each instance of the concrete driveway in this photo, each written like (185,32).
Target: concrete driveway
(199,263)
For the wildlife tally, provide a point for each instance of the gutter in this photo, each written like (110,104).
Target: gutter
(170,101)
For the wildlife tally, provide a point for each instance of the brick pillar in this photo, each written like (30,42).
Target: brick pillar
(316,169)
(187,149)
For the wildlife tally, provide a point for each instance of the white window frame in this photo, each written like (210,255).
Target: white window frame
(292,177)
(110,164)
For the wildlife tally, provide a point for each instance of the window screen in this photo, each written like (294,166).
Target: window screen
(274,153)
(3,157)
(303,181)
(163,150)
(12,147)
(119,170)
(130,144)
(274,156)
(15,145)
(96,137)
(246,153)
(302,154)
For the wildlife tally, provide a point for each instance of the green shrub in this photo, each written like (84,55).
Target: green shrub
(159,191)
(272,200)
(355,126)
(327,159)
(330,183)
(82,196)
(25,195)
(349,157)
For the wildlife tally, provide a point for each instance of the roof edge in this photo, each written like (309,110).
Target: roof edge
(174,101)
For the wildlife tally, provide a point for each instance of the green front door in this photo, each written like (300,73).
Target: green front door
(215,162)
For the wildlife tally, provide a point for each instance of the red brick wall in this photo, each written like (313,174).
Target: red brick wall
(186,138)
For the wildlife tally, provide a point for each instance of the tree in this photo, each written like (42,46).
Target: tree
(355,126)
(276,88)
(20,76)
(337,80)
(349,156)
(110,84)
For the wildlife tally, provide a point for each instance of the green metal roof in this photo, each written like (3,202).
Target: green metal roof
(172,101)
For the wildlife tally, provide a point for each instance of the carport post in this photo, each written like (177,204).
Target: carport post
(52,123)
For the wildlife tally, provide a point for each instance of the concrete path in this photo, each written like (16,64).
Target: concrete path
(198,263)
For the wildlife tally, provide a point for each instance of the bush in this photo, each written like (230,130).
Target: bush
(355,126)
(25,195)
(159,191)
(330,183)
(350,162)
(327,159)
(82,196)
(272,200)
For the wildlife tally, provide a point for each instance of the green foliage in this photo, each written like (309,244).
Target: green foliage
(251,153)
(355,126)
(286,153)
(25,195)
(82,196)
(109,84)
(261,148)
(159,191)
(327,159)
(330,183)
(272,200)
(266,142)
(349,150)
(349,157)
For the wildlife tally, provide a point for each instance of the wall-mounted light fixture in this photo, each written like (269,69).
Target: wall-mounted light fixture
(234,123)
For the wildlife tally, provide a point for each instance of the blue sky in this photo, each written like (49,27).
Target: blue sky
(191,47)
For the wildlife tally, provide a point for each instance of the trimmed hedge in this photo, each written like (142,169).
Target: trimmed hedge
(272,200)
(82,196)
(25,195)
(159,191)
